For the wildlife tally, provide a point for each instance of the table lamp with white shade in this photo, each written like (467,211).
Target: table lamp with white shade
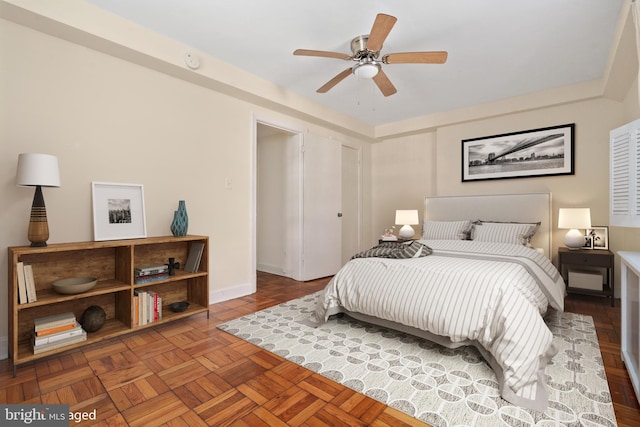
(407,218)
(38,170)
(574,219)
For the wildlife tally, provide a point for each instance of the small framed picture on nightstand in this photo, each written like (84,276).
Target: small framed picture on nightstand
(599,237)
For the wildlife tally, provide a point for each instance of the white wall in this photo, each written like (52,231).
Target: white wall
(271,205)
(405,171)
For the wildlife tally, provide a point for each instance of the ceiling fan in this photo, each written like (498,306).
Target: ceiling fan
(366,51)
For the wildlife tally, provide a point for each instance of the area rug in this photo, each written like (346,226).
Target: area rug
(437,385)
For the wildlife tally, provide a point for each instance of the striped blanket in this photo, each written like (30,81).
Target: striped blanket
(491,295)
(396,250)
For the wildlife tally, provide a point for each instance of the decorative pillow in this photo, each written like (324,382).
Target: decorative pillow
(505,232)
(446,230)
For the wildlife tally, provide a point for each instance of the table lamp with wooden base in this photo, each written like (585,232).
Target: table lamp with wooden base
(38,170)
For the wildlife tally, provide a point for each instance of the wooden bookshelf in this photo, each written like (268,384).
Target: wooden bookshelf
(112,263)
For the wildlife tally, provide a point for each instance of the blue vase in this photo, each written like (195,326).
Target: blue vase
(180,222)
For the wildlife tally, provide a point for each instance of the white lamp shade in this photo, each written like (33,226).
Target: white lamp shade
(407,217)
(37,169)
(569,218)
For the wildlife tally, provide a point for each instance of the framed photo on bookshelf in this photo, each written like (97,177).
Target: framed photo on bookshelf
(118,211)
(599,237)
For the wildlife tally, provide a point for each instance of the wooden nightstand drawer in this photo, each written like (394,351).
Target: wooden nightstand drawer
(587,257)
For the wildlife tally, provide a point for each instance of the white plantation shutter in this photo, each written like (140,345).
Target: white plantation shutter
(624,193)
(620,169)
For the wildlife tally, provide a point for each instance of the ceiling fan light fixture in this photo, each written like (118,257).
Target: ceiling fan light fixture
(366,53)
(366,70)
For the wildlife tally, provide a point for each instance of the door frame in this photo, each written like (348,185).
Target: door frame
(298,136)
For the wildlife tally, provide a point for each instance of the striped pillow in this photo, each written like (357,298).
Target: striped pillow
(516,233)
(445,230)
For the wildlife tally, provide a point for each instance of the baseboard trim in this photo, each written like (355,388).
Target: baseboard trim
(220,295)
(273,269)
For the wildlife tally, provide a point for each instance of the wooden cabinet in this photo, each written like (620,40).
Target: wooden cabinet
(588,259)
(112,263)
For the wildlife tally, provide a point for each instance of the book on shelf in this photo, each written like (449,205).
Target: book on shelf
(136,309)
(40,348)
(151,278)
(57,336)
(54,330)
(193,259)
(148,307)
(22,285)
(53,321)
(139,306)
(30,283)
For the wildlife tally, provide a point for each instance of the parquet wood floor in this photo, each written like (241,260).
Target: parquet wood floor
(189,373)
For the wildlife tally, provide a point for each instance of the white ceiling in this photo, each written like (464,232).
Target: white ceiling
(497,48)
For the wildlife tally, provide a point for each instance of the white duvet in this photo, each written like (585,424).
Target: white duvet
(491,295)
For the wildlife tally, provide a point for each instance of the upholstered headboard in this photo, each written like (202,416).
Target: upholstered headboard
(526,207)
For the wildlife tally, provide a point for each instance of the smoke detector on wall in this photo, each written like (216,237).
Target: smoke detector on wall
(192,60)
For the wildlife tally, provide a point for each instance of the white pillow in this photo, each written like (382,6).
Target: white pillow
(519,234)
(445,230)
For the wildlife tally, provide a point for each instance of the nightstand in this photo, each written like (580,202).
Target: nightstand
(583,261)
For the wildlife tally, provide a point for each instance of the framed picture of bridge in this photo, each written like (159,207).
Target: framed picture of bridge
(530,153)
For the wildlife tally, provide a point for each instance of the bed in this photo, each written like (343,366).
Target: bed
(491,292)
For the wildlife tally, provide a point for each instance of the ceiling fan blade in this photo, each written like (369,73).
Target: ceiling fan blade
(384,84)
(381,28)
(416,58)
(321,53)
(334,81)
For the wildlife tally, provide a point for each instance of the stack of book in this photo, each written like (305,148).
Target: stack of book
(55,331)
(147,307)
(151,273)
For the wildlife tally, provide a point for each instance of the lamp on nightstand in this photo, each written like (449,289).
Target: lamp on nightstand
(407,218)
(38,170)
(573,219)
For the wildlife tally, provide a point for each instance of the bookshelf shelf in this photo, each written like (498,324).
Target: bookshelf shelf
(113,264)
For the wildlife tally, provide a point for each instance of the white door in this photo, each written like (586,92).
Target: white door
(322,231)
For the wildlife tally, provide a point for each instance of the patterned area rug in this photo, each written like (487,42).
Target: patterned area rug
(440,386)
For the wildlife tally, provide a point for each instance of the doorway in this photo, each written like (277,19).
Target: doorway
(279,202)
